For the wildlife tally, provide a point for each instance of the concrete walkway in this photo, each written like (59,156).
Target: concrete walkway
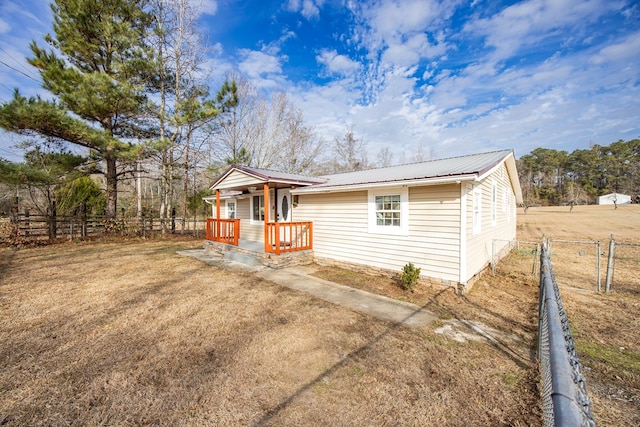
(300,278)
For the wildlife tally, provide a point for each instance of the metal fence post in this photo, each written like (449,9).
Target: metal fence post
(612,247)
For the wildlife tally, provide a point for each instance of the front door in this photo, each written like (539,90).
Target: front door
(284,205)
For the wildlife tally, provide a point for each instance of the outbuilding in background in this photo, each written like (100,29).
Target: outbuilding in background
(614,198)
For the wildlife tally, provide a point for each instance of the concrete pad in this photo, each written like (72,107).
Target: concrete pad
(299,278)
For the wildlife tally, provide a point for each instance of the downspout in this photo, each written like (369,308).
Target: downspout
(462,268)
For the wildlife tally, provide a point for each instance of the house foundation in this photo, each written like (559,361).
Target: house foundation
(251,255)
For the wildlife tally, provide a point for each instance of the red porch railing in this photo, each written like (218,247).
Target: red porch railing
(288,236)
(223,230)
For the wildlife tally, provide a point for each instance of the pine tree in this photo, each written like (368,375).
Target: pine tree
(97,69)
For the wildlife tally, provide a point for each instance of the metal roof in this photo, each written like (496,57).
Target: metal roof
(454,169)
(463,167)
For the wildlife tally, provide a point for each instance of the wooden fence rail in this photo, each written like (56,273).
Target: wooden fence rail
(26,227)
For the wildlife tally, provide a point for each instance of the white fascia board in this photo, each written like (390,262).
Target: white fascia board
(510,164)
(223,196)
(512,170)
(367,186)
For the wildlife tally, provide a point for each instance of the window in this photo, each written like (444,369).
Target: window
(257,208)
(389,211)
(477,210)
(231,209)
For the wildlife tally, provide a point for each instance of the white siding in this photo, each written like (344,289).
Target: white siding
(340,230)
(238,179)
(248,231)
(480,246)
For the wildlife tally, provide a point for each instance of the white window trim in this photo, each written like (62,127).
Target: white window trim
(476,210)
(226,205)
(403,229)
(254,221)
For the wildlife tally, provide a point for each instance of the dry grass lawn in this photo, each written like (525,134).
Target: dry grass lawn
(129,333)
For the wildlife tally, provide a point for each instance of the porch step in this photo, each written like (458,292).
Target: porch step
(246,259)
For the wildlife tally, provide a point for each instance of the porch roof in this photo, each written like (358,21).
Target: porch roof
(240,178)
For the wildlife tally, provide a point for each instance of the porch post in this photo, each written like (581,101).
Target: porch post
(217,213)
(267,249)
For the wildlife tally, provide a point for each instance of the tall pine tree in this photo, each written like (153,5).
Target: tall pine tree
(97,68)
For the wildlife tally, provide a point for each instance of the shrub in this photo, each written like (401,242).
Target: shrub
(409,276)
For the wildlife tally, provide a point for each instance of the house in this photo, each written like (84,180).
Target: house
(614,198)
(448,217)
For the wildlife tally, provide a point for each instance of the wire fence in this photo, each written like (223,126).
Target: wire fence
(520,248)
(623,274)
(579,263)
(564,390)
(597,266)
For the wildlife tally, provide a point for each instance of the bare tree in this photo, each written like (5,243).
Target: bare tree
(385,157)
(264,132)
(183,106)
(350,153)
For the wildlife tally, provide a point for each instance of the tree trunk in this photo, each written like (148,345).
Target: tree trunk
(185,185)
(112,187)
(51,217)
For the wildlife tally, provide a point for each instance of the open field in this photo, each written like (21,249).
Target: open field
(594,222)
(107,333)
(606,327)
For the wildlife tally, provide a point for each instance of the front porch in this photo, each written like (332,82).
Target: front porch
(257,221)
(279,237)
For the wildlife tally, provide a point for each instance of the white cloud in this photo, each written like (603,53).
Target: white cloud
(4,26)
(256,63)
(262,69)
(625,50)
(410,52)
(337,64)
(310,9)
(404,16)
(209,7)
(399,34)
(526,23)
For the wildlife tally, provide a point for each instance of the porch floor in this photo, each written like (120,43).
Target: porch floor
(252,252)
(251,245)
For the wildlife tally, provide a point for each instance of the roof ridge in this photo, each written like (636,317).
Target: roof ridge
(422,162)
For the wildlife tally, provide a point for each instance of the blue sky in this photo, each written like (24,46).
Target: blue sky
(443,78)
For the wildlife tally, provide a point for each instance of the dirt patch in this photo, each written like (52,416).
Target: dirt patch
(464,331)
(130,333)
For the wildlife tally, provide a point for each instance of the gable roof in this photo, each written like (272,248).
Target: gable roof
(264,176)
(472,167)
(469,168)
